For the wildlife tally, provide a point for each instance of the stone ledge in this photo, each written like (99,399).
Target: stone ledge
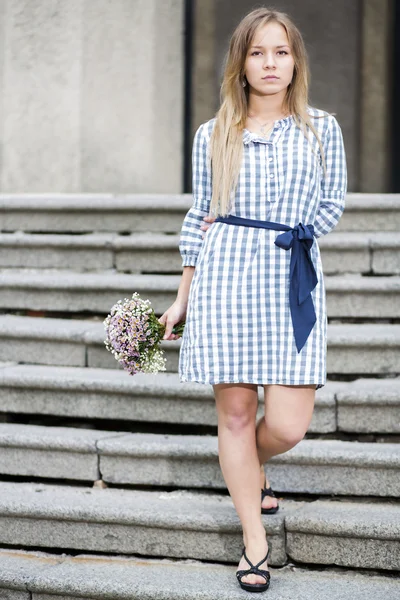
(313,466)
(372,349)
(49,577)
(112,394)
(347,295)
(177,524)
(346,533)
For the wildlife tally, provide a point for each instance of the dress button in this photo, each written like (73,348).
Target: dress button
(272,175)
(270,159)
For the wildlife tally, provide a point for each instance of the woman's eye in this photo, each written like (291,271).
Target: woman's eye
(258,52)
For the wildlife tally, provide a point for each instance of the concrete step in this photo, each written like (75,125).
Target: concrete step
(342,252)
(179,524)
(371,349)
(369,405)
(196,525)
(65,213)
(347,295)
(191,461)
(362,406)
(361,535)
(43,576)
(88,393)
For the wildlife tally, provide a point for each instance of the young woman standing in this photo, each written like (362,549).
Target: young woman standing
(269,174)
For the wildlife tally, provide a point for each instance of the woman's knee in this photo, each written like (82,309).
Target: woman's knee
(287,437)
(236,406)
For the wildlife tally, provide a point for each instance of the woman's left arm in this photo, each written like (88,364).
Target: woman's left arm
(334,184)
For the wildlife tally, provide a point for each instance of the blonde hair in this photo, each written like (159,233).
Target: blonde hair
(226,142)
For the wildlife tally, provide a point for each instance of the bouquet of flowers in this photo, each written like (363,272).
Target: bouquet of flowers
(134,334)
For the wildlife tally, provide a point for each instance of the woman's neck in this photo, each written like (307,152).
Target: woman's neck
(266,108)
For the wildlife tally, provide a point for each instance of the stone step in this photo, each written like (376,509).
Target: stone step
(371,349)
(191,461)
(178,524)
(88,393)
(348,296)
(196,525)
(362,406)
(65,213)
(44,576)
(342,252)
(346,534)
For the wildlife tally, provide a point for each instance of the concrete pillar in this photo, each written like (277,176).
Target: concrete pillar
(91,95)
(375,96)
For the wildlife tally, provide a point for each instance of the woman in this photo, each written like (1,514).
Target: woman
(254,298)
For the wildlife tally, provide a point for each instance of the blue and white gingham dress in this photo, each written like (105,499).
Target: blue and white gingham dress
(238,323)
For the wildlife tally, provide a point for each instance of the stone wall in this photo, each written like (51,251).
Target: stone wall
(91,95)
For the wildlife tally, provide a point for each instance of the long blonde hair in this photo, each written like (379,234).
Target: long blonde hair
(226,142)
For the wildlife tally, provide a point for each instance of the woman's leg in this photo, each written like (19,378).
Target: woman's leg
(237,407)
(288,413)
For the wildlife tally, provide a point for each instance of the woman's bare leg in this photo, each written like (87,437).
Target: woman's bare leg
(288,413)
(237,407)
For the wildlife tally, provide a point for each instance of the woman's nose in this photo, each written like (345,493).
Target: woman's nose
(269,61)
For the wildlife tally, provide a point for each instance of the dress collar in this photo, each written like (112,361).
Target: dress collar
(280,124)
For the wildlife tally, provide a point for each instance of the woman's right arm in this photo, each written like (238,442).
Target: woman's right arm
(191,236)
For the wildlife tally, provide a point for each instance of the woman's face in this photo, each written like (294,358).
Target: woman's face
(269,54)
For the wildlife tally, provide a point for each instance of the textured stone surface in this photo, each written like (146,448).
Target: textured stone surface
(337,467)
(313,466)
(177,524)
(79,213)
(372,349)
(72,252)
(150,459)
(347,295)
(122,578)
(40,89)
(44,341)
(60,452)
(346,533)
(370,405)
(352,348)
(161,213)
(342,252)
(72,73)
(111,394)
(357,296)
(370,212)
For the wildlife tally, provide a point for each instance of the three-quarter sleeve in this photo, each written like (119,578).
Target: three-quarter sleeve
(334,183)
(191,235)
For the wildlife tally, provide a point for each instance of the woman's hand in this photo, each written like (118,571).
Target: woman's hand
(176,313)
(209,220)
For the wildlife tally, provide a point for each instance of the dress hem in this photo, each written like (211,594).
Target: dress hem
(318,384)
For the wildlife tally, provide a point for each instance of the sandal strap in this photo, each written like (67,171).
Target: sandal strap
(254,568)
(267,492)
(242,573)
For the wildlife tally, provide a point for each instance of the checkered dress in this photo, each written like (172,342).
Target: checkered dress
(238,323)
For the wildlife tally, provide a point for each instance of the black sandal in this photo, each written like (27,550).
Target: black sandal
(254,587)
(268,492)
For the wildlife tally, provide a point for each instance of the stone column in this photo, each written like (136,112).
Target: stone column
(375,95)
(91,96)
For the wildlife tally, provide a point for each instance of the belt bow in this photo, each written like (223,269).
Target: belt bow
(302,279)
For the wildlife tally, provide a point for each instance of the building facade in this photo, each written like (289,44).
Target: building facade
(100,96)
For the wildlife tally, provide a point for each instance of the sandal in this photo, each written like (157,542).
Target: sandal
(254,587)
(268,492)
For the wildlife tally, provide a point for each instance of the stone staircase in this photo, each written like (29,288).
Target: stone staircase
(110,484)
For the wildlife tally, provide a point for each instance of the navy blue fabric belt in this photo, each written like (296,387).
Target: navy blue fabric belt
(303,277)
